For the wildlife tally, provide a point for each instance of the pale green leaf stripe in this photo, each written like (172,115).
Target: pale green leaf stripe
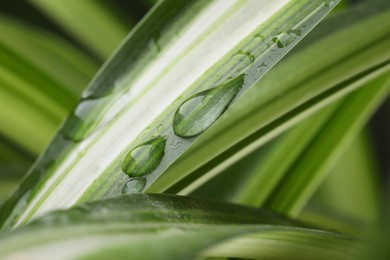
(40,77)
(358,163)
(275,164)
(159,85)
(89,21)
(295,147)
(169,227)
(348,53)
(59,60)
(304,177)
(38,120)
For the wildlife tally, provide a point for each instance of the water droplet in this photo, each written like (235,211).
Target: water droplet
(143,132)
(329,3)
(247,54)
(134,185)
(261,68)
(284,39)
(199,111)
(144,158)
(160,128)
(174,146)
(259,36)
(83,119)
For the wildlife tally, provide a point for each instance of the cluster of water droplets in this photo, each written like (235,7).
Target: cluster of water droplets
(284,39)
(192,117)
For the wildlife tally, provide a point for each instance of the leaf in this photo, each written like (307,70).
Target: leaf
(307,173)
(358,163)
(170,227)
(88,21)
(41,77)
(303,86)
(165,60)
(14,162)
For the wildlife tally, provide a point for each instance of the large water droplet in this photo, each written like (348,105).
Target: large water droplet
(200,111)
(134,186)
(84,118)
(144,158)
(247,54)
(284,39)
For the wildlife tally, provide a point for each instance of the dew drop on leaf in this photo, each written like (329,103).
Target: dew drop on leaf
(247,54)
(144,158)
(259,36)
(329,3)
(160,128)
(199,111)
(261,68)
(83,119)
(284,39)
(134,185)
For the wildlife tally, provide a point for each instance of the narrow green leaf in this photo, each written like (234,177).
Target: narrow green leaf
(135,96)
(89,21)
(306,174)
(356,165)
(40,77)
(52,55)
(276,163)
(299,77)
(14,163)
(169,227)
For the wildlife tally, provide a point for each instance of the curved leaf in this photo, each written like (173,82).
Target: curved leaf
(165,60)
(170,227)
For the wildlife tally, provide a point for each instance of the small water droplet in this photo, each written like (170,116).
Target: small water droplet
(83,119)
(160,128)
(247,54)
(143,132)
(134,185)
(329,3)
(259,36)
(261,68)
(284,39)
(144,158)
(174,146)
(199,111)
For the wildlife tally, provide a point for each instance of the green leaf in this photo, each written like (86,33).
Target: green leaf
(41,77)
(357,164)
(164,61)
(303,86)
(170,227)
(307,173)
(14,162)
(88,21)
(277,162)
